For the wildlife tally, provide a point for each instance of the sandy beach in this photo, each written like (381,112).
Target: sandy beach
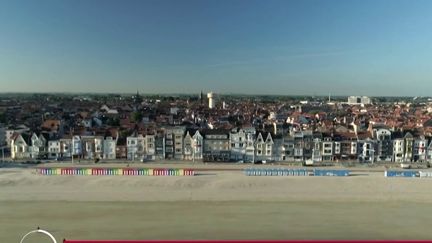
(214,204)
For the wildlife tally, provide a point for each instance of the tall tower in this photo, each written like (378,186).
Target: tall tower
(211,100)
(201,97)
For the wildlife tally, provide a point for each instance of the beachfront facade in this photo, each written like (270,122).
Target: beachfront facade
(197,146)
(264,147)
(54,149)
(38,148)
(65,147)
(216,145)
(236,145)
(135,146)
(20,146)
(109,147)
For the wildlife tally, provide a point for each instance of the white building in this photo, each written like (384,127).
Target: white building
(419,150)
(238,144)
(54,149)
(65,147)
(109,147)
(366,150)
(429,152)
(76,144)
(141,147)
(250,148)
(398,150)
(98,147)
(187,147)
(135,146)
(10,131)
(211,100)
(38,148)
(20,146)
(178,133)
(264,147)
(197,145)
(359,100)
(384,144)
(150,146)
(327,149)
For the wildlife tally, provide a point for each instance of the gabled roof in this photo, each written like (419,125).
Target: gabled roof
(408,135)
(25,137)
(264,135)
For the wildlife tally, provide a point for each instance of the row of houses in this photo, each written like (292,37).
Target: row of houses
(239,144)
(37,146)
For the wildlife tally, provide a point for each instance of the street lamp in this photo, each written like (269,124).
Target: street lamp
(73,149)
(41,232)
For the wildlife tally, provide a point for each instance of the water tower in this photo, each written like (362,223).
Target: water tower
(211,100)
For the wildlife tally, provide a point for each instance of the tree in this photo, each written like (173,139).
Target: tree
(113,122)
(137,116)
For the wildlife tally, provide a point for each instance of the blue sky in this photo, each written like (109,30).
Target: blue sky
(305,47)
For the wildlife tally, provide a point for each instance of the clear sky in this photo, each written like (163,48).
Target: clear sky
(304,47)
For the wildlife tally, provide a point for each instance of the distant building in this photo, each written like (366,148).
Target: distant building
(359,100)
(211,100)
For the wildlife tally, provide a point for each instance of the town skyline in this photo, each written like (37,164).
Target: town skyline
(101,93)
(373,48)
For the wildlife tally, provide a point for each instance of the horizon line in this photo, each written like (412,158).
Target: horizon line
(183,94)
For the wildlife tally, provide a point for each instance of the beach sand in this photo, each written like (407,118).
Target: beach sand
(214,205)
